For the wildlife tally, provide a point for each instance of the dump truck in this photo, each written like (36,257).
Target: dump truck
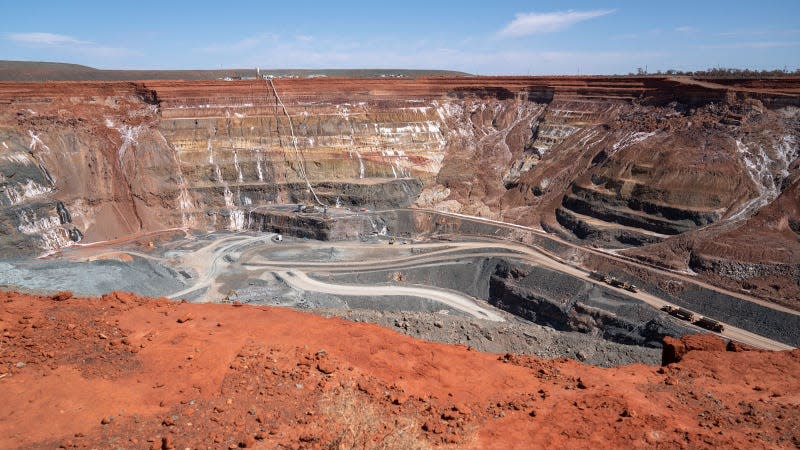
(616,283)
(680,313)
(613,281)
(599,277)
(709,324)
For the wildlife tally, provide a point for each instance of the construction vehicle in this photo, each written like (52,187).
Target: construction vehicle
(680,313)
(616,283)
(630,287)
(613,281)
(709,324)
(599,277)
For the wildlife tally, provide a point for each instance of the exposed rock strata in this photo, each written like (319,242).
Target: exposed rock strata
(615,161)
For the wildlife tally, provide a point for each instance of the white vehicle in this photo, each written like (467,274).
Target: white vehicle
(277,238)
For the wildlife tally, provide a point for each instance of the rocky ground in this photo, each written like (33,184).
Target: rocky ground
(127,372)
(517,336)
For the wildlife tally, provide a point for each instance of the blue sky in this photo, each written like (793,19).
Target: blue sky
(485,37)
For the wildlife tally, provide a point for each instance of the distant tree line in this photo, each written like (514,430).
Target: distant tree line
(723,72)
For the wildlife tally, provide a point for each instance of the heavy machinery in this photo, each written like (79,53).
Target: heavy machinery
(613,281)
(709,324)
(599,277)
(680,313)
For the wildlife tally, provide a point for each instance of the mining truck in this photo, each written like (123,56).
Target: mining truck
(616,283)
(630,287)
(599,277)
(709,324)
(680,313)
(613,281)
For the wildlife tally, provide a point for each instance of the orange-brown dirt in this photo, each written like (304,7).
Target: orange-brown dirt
(127,372)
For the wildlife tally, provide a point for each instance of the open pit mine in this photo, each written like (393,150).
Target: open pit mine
(606,220)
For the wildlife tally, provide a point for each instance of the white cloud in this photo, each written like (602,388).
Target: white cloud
(753,45)
(46,39)
(530,23)
(63,43)
(685,29)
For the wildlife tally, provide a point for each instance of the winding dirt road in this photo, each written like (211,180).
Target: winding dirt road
(454,251)
(210,262)
(300,280)
(622,258)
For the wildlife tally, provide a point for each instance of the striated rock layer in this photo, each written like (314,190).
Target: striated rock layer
(698,174)
(124,371)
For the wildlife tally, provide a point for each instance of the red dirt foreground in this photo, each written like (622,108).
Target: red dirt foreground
(127,372)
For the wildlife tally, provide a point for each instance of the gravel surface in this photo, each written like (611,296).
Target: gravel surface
(510,337)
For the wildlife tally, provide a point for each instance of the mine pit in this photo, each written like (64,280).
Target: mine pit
(427,200)
(381,278)
(272,260)
(486,285)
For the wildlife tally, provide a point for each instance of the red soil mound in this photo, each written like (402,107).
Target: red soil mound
(123,371)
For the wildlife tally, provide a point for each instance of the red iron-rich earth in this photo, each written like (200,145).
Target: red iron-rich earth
(123,371)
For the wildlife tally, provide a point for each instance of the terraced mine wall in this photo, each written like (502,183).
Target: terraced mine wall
(539,295)
(681,170)
(773,323)
(314,226)
(566,303)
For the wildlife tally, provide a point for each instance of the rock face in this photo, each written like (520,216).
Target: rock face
(132,162)
(571,304)
(699,175)
(675,349)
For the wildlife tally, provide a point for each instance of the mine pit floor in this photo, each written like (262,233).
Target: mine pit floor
(364,280)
